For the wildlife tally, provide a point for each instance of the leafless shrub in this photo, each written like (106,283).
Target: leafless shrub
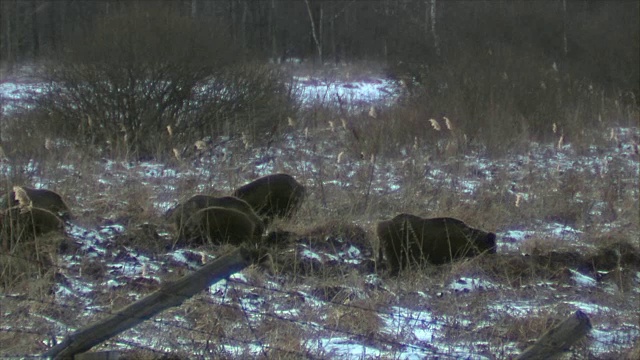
(525,328)
(285,337)
(501,98)
(30,265)
(117,89)
(356,320)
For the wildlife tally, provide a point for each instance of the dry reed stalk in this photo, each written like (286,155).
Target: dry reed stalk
(245,141)
(176,154)
(373,113)
(24,202)
(200,145)
(614,135)
(48,144)
(332,126)
(169,130)
(448,123)
(435,124)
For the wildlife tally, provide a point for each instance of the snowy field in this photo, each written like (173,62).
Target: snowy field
(465,314)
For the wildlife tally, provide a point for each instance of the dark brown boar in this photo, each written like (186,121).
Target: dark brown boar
(39,198)
(218,225)
(25,223)
(411,240)
(272,196)
(190,207)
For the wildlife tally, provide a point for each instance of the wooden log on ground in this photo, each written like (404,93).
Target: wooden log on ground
(169,295)
(559,339)
(101,355)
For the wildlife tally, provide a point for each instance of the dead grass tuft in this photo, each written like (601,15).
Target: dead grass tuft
(357,319)
(144,238)
(525,330)
(28,259)
(283,337)
(347,185)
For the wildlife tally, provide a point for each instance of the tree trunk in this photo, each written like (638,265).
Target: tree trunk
(314,33)
(273,31)
(427,16)
(243,26)
(334,47)
(62,21)
(436,40)
(34,30)
(8,34)
(321,32)
(565,46)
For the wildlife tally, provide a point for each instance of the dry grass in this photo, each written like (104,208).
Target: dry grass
(355,320)
(346,168)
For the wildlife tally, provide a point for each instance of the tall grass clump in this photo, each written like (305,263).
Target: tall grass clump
(503,101)
(119,86)
(505,77)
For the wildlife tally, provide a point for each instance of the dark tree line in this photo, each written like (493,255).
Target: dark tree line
(598,39)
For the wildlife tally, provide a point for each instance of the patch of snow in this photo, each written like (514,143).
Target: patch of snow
(425,329)
(311,255)
(465,284)
(353,95)
(563,232)
(343,348)
(582,280)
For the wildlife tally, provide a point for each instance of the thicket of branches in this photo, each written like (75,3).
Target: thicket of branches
(143,83)
(506,71)
(598,40)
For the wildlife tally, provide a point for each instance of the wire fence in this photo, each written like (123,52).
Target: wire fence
(237,296)
(256,341)
(226,338)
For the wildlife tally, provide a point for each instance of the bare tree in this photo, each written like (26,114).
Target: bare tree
(565,46)
(8,16)
(34,29)
(436,39)
(317,34)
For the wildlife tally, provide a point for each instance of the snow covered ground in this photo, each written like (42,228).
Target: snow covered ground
(467,315)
